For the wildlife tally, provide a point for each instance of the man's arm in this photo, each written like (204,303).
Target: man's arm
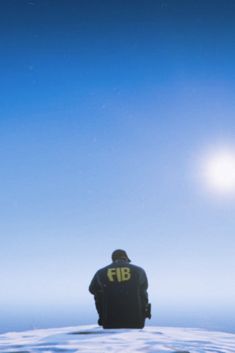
(144,294)
(143,286)
(95,286)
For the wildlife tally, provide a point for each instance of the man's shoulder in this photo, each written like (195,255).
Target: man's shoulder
(103,269)
(122,264)
(136,268)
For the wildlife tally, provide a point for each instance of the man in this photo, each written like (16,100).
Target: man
(120,292)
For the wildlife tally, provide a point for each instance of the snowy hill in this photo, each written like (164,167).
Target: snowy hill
(94,339)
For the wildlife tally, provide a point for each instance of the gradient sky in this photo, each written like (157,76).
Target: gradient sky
(106,108)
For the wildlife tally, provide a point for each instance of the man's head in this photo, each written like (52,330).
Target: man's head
(120,254)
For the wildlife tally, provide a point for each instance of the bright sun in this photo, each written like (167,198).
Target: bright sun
(219,171)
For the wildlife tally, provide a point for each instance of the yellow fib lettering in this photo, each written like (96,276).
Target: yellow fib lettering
(119,274)
(111,273)
(126,273)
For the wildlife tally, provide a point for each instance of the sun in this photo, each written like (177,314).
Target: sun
(219,171)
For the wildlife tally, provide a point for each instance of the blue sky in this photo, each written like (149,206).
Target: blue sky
(106,108)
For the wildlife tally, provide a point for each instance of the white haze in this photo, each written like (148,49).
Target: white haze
(91,338)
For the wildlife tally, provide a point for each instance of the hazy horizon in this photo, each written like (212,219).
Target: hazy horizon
(39,318)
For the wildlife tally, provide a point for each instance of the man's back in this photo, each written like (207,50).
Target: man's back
(120,291)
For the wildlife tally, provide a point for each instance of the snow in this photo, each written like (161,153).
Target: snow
(94,339)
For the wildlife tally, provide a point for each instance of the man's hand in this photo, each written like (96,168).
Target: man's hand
(148,311)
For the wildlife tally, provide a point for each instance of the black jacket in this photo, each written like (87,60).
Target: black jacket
(120,291)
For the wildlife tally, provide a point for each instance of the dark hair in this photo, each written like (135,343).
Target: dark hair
(120,254)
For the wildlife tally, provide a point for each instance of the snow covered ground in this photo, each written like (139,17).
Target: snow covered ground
(94,339)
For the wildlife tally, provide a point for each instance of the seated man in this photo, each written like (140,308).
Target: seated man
(120,291)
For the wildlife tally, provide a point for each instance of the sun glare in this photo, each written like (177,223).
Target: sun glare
(219,171)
